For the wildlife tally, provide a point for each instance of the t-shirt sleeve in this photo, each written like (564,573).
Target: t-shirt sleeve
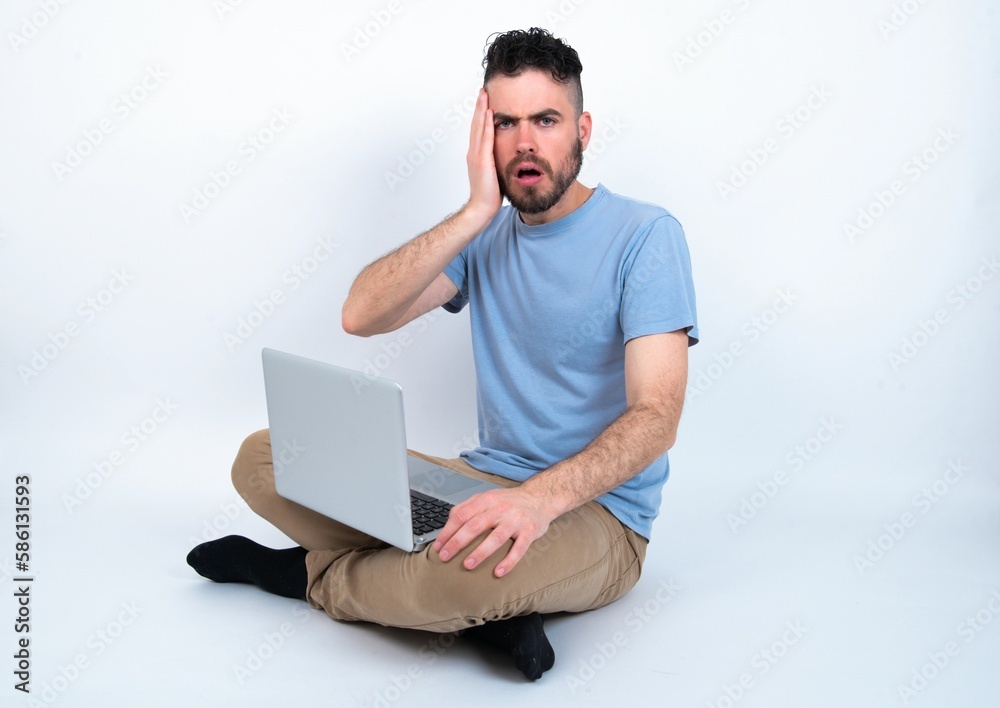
(657,287)
(458,272)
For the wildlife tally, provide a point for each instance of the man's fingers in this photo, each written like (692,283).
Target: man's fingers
(488,137)
(487,133)
(481,142)
(479,124)
(484,550)
(515,554)
(463,520)
(447,532)
(502,512)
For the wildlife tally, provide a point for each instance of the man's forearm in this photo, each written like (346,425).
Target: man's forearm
(386,288)
(384,292)
(630,444)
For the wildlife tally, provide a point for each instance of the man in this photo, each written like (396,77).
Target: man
(582,310)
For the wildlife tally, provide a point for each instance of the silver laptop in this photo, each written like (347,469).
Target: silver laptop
(338,443)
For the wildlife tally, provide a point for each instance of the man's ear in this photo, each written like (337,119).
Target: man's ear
(585,125)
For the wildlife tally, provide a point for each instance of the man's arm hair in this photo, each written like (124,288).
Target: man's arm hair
(410,281)
(407,282)
(655,381)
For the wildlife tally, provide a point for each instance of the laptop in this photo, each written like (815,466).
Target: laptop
(338,443)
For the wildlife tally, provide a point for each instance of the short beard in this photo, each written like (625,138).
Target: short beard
(533,200)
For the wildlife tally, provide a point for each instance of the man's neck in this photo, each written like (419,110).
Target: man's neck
(573,199)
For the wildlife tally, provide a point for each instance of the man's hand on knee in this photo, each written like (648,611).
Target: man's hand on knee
(511,514)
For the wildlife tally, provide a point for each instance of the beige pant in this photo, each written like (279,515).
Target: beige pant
(587,559)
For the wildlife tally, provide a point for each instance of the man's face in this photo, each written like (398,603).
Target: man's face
(538,141)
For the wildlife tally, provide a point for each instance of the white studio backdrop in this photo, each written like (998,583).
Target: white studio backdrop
(184,183)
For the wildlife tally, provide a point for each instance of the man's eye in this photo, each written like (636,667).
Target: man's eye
(548,121)
(503,123)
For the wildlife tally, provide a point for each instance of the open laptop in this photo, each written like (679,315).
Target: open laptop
(338,443)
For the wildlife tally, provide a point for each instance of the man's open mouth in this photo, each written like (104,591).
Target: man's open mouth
(528,175)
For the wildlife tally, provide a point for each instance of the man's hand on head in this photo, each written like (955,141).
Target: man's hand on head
(484,198)
(511,513)
(409,281)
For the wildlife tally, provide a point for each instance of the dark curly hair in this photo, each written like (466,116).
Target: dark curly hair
(513,52)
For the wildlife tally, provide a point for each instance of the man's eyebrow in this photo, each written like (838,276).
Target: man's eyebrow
(547,113)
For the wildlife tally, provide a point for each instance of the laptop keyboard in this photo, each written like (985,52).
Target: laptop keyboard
(429,514)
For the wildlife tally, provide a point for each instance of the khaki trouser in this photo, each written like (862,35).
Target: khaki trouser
(585,560)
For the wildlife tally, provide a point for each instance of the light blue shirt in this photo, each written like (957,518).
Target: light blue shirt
(551,308)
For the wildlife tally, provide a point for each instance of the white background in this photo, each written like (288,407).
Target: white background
(684,97)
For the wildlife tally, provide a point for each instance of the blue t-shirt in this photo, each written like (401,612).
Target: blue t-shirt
(551,308)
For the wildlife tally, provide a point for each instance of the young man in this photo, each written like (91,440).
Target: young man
(582,310)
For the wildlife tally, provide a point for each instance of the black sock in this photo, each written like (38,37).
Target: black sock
(235,559)
(524,638)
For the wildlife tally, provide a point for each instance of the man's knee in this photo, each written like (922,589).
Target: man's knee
(252,474)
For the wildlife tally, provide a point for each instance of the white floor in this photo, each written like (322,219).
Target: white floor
(774,614)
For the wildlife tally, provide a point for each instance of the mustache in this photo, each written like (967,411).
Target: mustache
(540,163)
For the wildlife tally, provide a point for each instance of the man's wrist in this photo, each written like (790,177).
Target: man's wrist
(476,217)
(553,497)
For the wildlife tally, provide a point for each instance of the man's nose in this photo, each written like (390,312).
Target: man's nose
(525,138)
